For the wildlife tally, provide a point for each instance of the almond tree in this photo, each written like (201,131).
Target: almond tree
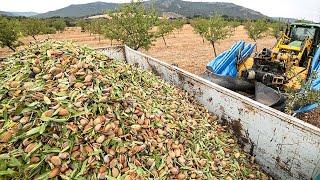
(256,30)
(59,25)
(216,29)
(164,28)
(109,32)
(33,27)
(178,24)
(9,33)
(200,26)
(83,24)
(132,25)
(277,29)
(97,27)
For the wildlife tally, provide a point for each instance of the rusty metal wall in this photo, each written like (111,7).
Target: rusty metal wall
(285,147)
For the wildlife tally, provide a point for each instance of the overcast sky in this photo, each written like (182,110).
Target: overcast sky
(301,9)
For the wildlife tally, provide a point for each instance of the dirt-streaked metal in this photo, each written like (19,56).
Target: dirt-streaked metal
(285,147)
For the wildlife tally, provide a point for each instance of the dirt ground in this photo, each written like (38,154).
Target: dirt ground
(187,50)
(184,48)
(312,117)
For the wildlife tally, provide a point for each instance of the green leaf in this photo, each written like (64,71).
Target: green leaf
(34,131)
(46,100)
(33,104)
(14,162)
(4,156)
(42,128)
(7,172)
(83,168)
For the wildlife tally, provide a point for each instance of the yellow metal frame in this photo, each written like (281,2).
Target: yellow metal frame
(294,72)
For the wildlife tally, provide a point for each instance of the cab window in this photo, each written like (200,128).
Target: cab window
(300,33)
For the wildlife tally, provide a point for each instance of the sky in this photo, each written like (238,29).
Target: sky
(300,9)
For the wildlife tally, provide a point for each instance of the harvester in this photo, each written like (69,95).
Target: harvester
(269,74)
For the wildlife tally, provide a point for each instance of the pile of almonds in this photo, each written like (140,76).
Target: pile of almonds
(69,112)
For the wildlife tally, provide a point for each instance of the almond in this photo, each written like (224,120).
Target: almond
(115,172)
(36,70)
(88,149)
(64,155)
(54,172)
(78,85)
(5,137)
(14,84)
(88,78)
(63,112)
(100,139)
(55,160)
(174,171)
(48,113)
(24,120)
(181,176)
(30,147)
(113,163)
(102,169)
(34,159)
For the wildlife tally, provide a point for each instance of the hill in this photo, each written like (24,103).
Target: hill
(26,14)
(191,9)
(3,13)
(184,8)
(81,10)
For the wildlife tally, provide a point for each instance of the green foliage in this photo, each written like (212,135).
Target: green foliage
(83,24)
(132,25)
(277,29)
(233,25)
(59,25)
(164,28)
(296,99)
(97,27)
(178,24)
(109,32)
(49,30)
(213,30)
(33,27)
(256,29)
(200,26)
(9,33)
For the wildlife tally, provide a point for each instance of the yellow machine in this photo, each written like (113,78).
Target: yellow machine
(287,65)
(271,72)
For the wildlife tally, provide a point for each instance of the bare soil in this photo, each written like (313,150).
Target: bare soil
(312,117)
(185,49)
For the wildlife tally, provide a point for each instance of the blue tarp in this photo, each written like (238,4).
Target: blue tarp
(226,63)
(315,83)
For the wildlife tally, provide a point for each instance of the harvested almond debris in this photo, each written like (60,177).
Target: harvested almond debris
(69,112)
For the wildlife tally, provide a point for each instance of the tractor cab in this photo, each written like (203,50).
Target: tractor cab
(299,32)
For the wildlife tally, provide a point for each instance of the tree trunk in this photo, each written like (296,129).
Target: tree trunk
(14,50)
(111,41)
(164,40)
(99,38)
(214,49)
(256,45)
(34,37)
(202,39)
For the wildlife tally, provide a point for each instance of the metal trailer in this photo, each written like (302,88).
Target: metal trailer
(284,146)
